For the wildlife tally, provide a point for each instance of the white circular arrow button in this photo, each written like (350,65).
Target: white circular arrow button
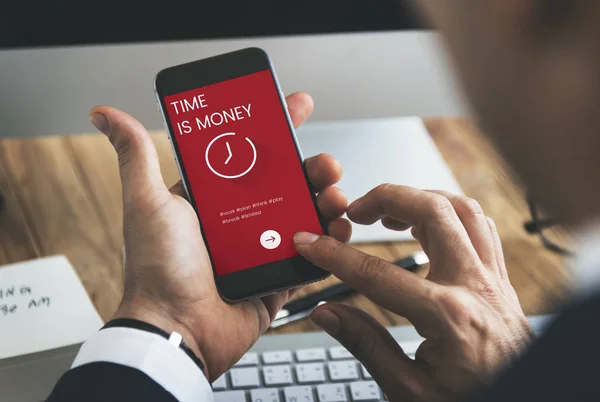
(270,239)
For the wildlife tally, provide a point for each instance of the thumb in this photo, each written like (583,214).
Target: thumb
(139,168)
(374,346)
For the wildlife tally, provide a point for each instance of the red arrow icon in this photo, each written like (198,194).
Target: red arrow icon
(271,239)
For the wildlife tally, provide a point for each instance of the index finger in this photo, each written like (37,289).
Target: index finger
(402,203)
(395,289)
(447,239)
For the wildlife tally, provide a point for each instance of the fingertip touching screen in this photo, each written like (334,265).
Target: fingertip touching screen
(243,170)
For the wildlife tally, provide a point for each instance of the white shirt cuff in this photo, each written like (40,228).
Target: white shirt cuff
(153,355)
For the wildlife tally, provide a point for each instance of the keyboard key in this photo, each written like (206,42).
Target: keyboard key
(311,355)
(230,396)
(246,377)
(265,395)
(278,375)
(308,373)
(220,383)
(332,393)
(277,357)
(365,373)
(339,353)
(249,359)
(298,394)
(364,391)
(343,370)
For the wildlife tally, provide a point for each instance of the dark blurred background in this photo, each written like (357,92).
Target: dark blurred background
(78,22)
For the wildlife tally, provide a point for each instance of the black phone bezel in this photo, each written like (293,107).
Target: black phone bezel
(264,279)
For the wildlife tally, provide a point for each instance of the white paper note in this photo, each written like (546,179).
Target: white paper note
(43,306)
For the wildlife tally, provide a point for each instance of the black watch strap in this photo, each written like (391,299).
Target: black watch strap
(147,327)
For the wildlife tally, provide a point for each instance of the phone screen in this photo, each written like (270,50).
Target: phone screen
(243,170)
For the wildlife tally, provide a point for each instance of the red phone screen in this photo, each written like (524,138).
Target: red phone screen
(243,170)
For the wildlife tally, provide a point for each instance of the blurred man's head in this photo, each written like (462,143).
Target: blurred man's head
(531,69)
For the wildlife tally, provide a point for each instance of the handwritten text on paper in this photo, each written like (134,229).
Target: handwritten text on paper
(28,300)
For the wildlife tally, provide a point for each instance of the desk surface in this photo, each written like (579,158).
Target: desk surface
(62,196)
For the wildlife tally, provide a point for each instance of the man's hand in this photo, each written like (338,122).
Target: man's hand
(168,276)
(466,309)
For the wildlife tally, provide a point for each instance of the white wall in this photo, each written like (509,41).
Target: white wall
(49,91)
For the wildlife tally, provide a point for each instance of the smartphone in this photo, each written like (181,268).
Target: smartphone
(242,168)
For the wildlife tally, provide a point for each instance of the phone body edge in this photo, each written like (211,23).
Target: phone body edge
(322,274)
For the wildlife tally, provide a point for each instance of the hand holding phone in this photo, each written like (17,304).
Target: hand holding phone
(168,277)
(243,171)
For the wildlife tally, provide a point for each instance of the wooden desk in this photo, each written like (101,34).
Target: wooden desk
(62,196)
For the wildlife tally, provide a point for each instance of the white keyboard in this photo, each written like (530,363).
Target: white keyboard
(308,367)
(302,375)
(315,369)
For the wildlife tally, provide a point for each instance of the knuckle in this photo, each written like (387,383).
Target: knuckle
(126,133)
(334,249)
(470,206)
(466,318)
(457,305)
(383,189)
(364,343)
(156,202)
(371,267)
(122,147)
(486,286)
(439,206)
(127,143)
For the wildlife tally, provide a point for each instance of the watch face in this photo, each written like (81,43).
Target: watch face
(230,155)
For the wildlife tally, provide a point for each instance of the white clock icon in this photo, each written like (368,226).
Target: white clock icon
(230,154)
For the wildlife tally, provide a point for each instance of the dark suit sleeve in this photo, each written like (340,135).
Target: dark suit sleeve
(104,382)
(561,366)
